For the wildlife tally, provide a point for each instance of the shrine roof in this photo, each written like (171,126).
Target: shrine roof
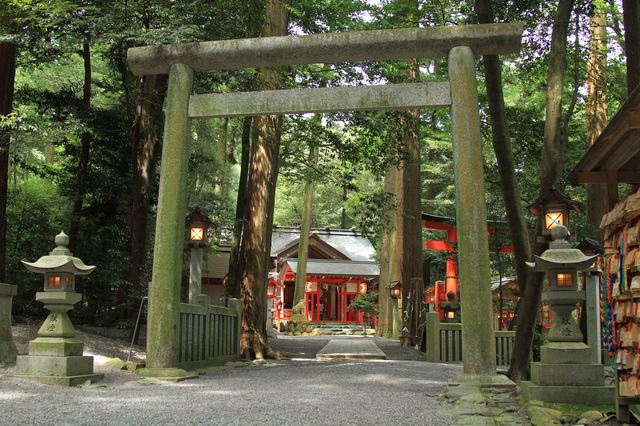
(615,155)
(326,267)
(349,242)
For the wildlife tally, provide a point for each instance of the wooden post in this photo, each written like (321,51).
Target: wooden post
(195,274)
(237,307)
(478,344)
(433,337)
(592,290)
(164,295)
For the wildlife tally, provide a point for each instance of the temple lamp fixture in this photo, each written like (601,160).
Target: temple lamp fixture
(561,264)
(271,291)
(555,207)
(395,289)
(362,288)
(198,226)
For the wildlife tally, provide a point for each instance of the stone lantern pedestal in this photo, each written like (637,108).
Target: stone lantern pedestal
(56,355)
(7,346)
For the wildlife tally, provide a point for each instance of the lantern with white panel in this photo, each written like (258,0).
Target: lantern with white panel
(554,207)
(198,225)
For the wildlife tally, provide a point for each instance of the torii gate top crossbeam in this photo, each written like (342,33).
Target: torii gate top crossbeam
(434,42)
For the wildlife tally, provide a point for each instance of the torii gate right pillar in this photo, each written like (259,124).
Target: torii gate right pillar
(478,344)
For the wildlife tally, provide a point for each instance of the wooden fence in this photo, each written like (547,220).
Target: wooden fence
(209,334)
(444,342)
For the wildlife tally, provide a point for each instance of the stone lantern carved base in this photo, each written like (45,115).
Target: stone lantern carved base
(8,350)
(56,356)
(565,374)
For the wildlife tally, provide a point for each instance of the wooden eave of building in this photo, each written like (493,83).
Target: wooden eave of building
(615,156)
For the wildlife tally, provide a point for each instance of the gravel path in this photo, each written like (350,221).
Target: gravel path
(298,391)
(293,392)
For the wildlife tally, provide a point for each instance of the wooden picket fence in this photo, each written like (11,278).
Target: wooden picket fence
(444,342)
(209,334)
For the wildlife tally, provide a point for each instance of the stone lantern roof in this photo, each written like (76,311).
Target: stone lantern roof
(60,259)
(560,254)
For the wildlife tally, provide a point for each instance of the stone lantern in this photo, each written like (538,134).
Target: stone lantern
(561,263)
(198,225)
(450,308)
(56,356)
(566,372)
(554,207)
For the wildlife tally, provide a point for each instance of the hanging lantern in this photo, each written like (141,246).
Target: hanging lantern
(555,207)
(395,289)
(198,225)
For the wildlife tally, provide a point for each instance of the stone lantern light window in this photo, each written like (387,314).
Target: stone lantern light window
(565,279)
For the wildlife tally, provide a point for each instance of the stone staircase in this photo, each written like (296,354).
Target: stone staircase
(341,328)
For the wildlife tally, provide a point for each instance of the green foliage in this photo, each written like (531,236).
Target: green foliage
(366,303)
(35,214)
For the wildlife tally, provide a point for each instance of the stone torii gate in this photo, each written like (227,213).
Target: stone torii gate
(460,43)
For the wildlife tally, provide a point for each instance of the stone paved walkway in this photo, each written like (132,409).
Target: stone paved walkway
(350,349)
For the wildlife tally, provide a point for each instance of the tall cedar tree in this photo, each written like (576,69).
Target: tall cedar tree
(85,145)
(504,154)
(530,302)
(631,14)
(7,76)
(261,186)
(233,289)
(597,203)
(145,150)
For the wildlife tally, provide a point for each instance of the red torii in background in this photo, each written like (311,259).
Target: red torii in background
(438,293)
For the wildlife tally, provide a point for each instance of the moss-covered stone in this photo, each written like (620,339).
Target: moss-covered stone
(53,346)
(166,374)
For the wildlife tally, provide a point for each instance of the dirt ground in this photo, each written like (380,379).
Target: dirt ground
(96,344)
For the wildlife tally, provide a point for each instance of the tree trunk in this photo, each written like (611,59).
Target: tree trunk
(409,225)
(7,76)
(145,151)
(261,192)
(394,324)
(386,314)
(597,201)
(530,301)
(83,161)
(504,155)
(305,229)
(233,289)
(225,153)
(631,16)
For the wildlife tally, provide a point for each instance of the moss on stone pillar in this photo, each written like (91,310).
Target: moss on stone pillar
(164,295)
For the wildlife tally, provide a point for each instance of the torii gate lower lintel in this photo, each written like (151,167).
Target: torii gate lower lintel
(460,93)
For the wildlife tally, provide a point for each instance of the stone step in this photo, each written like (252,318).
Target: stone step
(351,349)
(567,374)
(586,395)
